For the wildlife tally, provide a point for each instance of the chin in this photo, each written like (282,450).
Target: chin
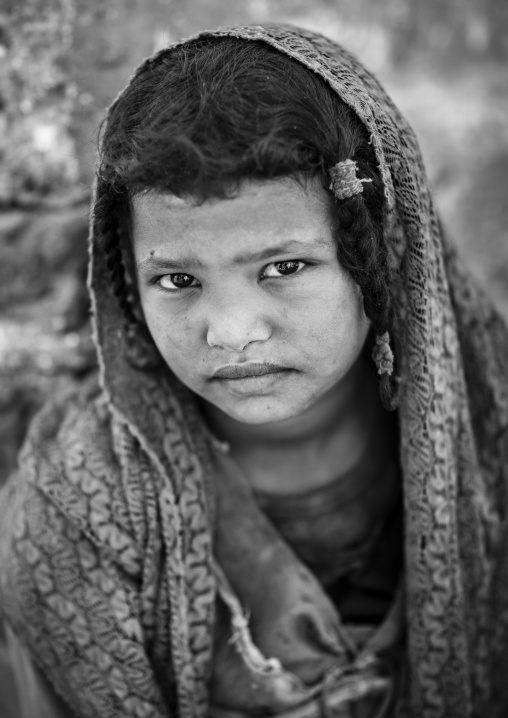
(259,411)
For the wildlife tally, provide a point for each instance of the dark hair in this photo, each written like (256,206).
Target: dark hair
(202,117)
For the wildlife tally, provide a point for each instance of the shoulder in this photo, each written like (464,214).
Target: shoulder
(70,474)
(73,415)
(69,446)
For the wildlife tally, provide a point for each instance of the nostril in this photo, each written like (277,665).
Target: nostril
(236,336)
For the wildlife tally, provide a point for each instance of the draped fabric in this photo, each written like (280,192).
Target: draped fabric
(106,531)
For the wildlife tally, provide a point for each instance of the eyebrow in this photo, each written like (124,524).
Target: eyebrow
(245,258)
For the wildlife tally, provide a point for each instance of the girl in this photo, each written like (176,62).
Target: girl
(286,495)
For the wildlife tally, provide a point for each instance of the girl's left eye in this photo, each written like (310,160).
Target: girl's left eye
(283,269)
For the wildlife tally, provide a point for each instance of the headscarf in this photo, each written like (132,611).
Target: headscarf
(106,537)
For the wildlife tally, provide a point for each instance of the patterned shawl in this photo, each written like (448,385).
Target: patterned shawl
(105,531)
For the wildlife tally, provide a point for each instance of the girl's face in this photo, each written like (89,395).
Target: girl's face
(245,297)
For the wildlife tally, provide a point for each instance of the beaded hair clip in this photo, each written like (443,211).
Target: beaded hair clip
(382,354)
(345,183)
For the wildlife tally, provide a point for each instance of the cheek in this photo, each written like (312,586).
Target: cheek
(334,320)
(173,333)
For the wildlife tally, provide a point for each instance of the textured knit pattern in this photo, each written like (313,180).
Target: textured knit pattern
(106,552)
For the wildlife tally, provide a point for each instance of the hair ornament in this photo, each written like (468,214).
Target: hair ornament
(382,354)
(345,183)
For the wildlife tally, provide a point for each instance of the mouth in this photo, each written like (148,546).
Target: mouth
(253,379)
(232,372)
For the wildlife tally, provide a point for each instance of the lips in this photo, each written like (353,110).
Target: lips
(243,371)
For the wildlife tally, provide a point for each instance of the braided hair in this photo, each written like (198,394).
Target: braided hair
(111,225)
(362,251)
(201,118)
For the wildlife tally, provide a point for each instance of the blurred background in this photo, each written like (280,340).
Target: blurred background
(63,61)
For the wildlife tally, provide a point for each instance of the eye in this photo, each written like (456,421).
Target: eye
(176,281)
(283,269)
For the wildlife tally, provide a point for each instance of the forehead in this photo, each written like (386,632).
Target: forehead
(260,214)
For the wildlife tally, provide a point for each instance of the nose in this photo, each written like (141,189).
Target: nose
(234,323)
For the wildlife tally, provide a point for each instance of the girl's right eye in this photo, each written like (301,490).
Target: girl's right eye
(176,281)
